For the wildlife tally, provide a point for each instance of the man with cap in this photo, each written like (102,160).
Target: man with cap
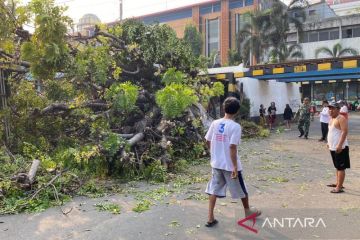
(304,114)
(338,145)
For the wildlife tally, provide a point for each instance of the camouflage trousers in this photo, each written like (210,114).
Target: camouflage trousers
(303,126)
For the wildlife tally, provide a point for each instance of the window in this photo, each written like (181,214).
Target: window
(353,91)
(167,17)
(305,37)
(217,7)
(313,37)
(240,21)
(211,8)
(236,4)
(312,12)
(334,34)
(351,31)
(356,32)
(212,36)
(323,35)
(205,10)
(291,38)
(323,91)
(347,33)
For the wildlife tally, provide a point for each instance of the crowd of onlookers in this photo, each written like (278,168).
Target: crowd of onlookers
(268,115)
(270,112)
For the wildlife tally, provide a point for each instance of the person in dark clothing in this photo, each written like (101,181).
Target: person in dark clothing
(262,112)
(272,115)
(288,115)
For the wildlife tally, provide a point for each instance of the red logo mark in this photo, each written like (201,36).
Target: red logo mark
(253,217)
(220,138)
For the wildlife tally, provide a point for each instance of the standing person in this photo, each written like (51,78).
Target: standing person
(272,115)
(324,120)
(288,115)
(344,109)
(262,112)
(223,138)
(304,118)
(338,146)
(216,60)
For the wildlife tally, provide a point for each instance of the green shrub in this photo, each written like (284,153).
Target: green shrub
(155,172)
(173,76)
(123,96)
(174,99)
(251,129)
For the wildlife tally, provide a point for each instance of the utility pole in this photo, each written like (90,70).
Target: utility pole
(121,10)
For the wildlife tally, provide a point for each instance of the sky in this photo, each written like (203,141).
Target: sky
(108,10)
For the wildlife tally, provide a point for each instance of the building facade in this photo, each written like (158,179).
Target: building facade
(217,21)
(326,24)
(324,28)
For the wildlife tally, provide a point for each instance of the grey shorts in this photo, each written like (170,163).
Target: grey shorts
(221,179)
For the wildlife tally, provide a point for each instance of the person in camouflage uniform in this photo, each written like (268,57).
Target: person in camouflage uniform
(304,115)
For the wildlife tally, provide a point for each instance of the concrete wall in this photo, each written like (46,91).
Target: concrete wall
(265,92)
(346,7)
(322,11)
(329,23)
(310,48)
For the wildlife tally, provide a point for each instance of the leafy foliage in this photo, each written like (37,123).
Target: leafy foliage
(47,50)
(155,172)
(173,76)
(70,98)
(174,99)
(123,96)
(267,30)
(193,37)
(286,53)
(336,51)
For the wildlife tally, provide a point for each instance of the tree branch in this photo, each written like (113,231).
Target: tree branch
(64,107)
(134,72)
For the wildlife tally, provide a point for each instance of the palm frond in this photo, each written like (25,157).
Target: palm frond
(295,47)
(336,49)
(349,51)
(297,54)
(298,3)
(324,50)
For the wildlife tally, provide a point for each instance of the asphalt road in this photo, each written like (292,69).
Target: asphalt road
(286,177)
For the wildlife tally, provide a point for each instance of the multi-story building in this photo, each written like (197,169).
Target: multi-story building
(218,21)
(324,28)
(344,7)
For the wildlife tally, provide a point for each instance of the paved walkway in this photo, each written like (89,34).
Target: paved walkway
(286,177)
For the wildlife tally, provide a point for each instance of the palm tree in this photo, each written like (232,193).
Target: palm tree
(337,51)
(281,17)
(268,30)
(252,38)
(286,53)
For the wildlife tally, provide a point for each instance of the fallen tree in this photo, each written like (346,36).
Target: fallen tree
(113,103)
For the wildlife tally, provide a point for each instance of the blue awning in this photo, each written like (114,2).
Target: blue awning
(307,76)
(321,78)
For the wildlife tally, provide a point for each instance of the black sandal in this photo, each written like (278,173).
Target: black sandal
(332,185)
(211,224)
(337,191)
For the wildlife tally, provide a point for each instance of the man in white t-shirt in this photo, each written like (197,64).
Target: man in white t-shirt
(223,137)
(324,120)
